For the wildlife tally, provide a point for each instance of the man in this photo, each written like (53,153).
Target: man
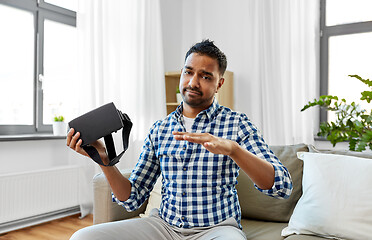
(198,149)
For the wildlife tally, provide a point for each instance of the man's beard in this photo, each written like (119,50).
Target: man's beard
(194,102)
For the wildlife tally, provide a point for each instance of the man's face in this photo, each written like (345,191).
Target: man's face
(200,80)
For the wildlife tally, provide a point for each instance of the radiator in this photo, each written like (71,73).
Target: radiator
(29,194)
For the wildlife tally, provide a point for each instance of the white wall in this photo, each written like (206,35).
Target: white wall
(30,155)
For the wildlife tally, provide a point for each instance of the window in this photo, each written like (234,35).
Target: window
(38,64)
(345,49)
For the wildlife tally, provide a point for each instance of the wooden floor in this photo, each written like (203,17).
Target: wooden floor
(60,229)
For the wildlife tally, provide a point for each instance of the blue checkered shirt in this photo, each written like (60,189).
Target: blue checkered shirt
(198,187)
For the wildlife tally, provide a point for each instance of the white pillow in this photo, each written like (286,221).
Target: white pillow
(154,198)
(336,199)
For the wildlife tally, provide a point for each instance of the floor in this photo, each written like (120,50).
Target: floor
(60,229)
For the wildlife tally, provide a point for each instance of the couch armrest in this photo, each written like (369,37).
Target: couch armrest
(104,210)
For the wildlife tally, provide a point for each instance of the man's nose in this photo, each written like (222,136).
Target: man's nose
(194,81)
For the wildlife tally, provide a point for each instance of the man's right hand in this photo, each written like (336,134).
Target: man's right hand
(74,142)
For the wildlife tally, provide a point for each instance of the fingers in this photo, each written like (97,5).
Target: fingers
(179,133)
(73,141)
(189,134)
(209,145)
(194,139)
(200,138)
(69,136)
(78,145)
(213,144)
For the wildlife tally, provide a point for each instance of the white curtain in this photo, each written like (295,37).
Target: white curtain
(286,47)
(120,61)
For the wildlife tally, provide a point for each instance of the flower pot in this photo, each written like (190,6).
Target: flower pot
(179,98)
(59,129)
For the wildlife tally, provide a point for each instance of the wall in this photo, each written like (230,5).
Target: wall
(171,14)
(30,155)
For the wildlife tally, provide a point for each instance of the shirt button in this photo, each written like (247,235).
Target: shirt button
(184,169)
(184,148)
(183,194)
(183,218)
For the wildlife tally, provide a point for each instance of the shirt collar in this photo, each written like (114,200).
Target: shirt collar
(209,112)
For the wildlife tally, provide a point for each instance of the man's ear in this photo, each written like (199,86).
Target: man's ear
(220,83)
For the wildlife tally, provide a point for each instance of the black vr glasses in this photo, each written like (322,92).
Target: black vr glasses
(102,122)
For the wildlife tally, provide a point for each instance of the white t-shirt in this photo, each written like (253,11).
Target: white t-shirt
(188,123)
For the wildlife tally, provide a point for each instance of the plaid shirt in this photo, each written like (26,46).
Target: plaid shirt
(198,187)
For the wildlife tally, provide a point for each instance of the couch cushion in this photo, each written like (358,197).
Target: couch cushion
(154,198)
(260,230)
(337,197)
(256,205)
(303,237)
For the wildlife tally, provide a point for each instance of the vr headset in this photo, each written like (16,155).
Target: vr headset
(102,122)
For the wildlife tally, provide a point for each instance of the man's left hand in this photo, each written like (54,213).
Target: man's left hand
(212,143)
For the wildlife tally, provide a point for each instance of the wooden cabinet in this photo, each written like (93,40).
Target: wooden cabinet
(225,95)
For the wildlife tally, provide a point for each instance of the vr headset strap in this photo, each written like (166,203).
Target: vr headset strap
(109,142)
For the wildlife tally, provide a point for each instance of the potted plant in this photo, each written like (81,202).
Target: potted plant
(352,124)
(178,95)
(59,126)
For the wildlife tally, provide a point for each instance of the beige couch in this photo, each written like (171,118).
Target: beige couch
(263,217)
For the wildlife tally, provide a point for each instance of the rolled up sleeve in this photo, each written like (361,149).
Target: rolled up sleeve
(143,176)
(252,140)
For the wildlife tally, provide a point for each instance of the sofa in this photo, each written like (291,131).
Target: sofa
(267,218)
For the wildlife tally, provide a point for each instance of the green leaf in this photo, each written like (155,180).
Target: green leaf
(59,118)
(365,81)
(352,144)
(361,146)
(367,96)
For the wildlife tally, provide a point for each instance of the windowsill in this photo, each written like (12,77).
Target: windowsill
(317,138)
(26,137)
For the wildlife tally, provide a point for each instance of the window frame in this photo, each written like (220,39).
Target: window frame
(325,33)
(41,10)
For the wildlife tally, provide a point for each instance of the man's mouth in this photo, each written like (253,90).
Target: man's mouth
(193,92)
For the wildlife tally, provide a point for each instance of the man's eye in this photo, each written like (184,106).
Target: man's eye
(187,72)
(207,77)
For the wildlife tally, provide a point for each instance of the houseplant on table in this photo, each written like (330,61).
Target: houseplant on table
(59,126)
(352,124)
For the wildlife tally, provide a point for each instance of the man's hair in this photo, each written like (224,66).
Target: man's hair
(207,47)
